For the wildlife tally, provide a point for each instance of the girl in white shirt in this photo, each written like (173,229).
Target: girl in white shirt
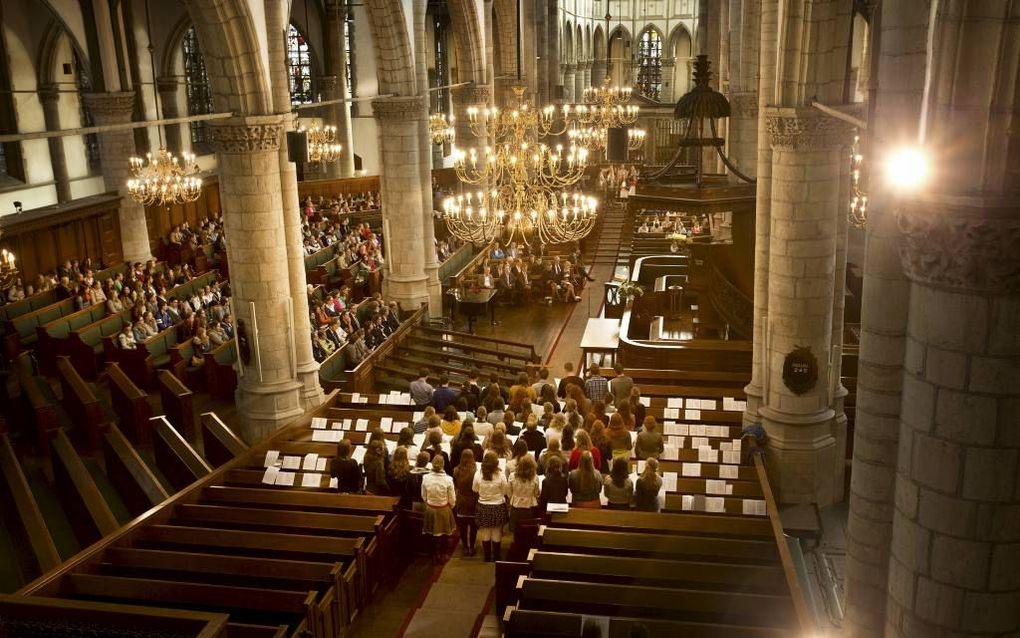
(439,495)
(491,515)
(523,491)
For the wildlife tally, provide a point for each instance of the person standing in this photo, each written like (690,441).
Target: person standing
(621,385)
(596,387)
(491,486)
(523,491)
(440,497)
(467,500)
(421,390)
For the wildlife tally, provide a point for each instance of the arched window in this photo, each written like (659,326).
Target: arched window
(90,140)
(650,64)
(299,61)
(349,43)
(441,98)
(196,86)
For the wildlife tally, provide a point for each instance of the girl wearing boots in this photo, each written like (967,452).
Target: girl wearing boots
(491,515)
(467,500)
(439,495)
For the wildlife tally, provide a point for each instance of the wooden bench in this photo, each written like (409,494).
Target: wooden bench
(136,484)
(221,377)
(219,442)
(82,406)
(175,458)
(24,518)
(21,331)
(39,406)
(88,511)
(143,362)
(332,370)
(52,336)
(528,623)
(14,310)
(131,405)
(178,404)
(89,345)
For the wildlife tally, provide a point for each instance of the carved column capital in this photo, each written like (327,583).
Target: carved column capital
(805,129)
(49,94)
(972,247)
(398,109)
(328,83)
(471,94)
(246,134)
(744,104)
(166,85)
(110,108)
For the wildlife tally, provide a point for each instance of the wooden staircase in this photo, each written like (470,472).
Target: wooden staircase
(610,236)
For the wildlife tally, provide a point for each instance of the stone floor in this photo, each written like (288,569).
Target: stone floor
(826,567)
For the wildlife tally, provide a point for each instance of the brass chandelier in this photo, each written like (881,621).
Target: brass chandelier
(8,271)
(605,108)
(440,129)
(858,213)
(322,146)
(521,180)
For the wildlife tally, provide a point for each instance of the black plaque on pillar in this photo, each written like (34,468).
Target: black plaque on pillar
(297,146)
(800,370)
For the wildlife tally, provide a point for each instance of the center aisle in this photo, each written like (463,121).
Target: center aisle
(457,600)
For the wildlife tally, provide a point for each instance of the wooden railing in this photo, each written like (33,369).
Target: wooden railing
(362,377)
(695,354)
(732,305)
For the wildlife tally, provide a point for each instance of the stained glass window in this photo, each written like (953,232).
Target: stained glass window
(650,64)
(441,98)
(299,60)
(90,140)
(349,43)
(196,85)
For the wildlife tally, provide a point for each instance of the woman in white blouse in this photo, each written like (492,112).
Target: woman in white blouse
(523,491)
(490,515)
(439,495)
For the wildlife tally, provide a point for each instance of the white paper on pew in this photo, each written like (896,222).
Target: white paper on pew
(320,465)
(394,393)
(699,442)
(552,508)
(327,436)
(336,425)
(697,429)
(400,425)
(310,460)
(716,504)
(671,428)
(271,457)
(685,429)
(671,453)
(709,404)
(361,425)
(391,446)
(405,398)
(692,415)
(675,402)
(417,416)
(386,423)
(754,507)
(645,401)
(269,478)
(310,479)
(687,502)
(355,397)
(691,469)
(732,458)
(759,508)
(707,455)
(285,478)
(419,439)
(319,423)
(384,399)
(729,490)
(348,424)
(334,483)
(362,399)
(671,413)
(669,480)
(640,466)
(726,446)
(291,462)
(728,472)
(713,486)
(359,453)
(694,306)
(736,445)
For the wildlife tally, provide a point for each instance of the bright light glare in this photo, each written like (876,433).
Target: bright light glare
(907,168)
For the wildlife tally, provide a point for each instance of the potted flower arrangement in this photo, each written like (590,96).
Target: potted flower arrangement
(628,290)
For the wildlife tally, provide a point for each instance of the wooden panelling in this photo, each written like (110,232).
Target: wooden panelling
(331,187)
(45,237)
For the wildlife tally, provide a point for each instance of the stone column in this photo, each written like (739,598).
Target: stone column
(335,87)
(167,88)
(542,51)
(400,185)
(586,78)
(428,243)
(328,88)
(668,82)
(116,147)
(763,200)
(248,156)
(490,39)
(579,82)
(464,97)
(49,96)
(598,72)
(807,154)
(569,85)
(555,68)
(743,138)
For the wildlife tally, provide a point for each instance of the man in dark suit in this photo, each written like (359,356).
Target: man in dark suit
(569,377)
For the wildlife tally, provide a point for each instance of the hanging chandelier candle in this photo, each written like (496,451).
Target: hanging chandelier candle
(441,130)
(163,179)
(635,138)
(521,180)
(605,108)
(322,146)
(8,271)
(858,213)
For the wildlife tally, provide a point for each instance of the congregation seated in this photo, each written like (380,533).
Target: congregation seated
(340,204)
(669,222)
(520,275)
(446,247)
(338,325)
(207,238)
(65,279)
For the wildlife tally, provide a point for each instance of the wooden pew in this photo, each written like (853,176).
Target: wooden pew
(143,362)
(178,404)
(131,405)
(307,501)
(720,525)
(21,331)
(175,458)
(529,623)
(218,441)
(52,336)
(89,345)
(39,407)
(136,484)
(82,406)
(323,523)
(28,304)
(88,511)
(221,377)
(25,520)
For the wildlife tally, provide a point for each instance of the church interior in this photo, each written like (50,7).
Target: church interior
(510,318)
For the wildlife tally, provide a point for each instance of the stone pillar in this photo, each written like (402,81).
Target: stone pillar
(464,97)
(328,88)
(668,82)
(586,78)
(763,200)
(400,186)
(248,156)
(335,87)
(49,96)
(555,67)
(743,138)
(167,88)
(579,82)
(569,85)
(542,52)
(428,243)
(598,72)
(116,147)
(807,154)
